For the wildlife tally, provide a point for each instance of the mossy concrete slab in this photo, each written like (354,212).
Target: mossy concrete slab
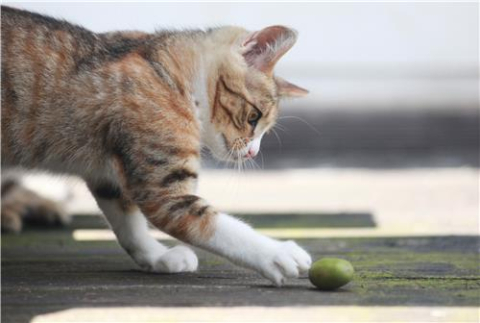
(46,270)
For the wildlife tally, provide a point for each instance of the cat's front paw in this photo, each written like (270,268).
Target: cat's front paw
(176,260)
(287,260)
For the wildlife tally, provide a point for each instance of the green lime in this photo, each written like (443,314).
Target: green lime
(330,273)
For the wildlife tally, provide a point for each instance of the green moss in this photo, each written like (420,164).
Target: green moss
(373,275)
(453,277)
(446,290)
(408,259)
(211,262)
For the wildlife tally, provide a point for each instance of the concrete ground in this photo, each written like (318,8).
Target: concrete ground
(411,234)
(47,276)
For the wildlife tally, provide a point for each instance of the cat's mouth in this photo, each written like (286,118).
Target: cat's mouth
(239,150)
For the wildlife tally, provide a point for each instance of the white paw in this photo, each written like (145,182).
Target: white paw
(176,260)
(287,260)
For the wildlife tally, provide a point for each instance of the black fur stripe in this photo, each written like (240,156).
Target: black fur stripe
(8,185)
(178,175)
(156,161)
(107,192)
(201,211)
(163,74)
(186,201)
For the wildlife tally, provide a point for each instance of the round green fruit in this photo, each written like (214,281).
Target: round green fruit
(330,273)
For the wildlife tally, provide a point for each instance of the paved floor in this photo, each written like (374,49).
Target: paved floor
(48,276)
(411,234)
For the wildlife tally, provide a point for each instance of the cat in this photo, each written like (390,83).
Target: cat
(129,112)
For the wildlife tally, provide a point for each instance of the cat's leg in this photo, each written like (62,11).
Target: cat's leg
(237,241)
(131,230)
(190,219)
(165,196)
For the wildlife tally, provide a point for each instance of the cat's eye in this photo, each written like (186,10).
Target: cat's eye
(253,117)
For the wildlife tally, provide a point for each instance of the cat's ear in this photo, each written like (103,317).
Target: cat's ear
(286,89)
(263,49)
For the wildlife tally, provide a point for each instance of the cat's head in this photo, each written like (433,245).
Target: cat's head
(244,93)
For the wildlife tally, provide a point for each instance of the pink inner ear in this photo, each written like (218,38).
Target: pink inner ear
(267,36)
(265,47)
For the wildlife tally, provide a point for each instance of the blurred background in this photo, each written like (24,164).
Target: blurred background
(388,138)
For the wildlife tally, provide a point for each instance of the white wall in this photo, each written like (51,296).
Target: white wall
(427,52)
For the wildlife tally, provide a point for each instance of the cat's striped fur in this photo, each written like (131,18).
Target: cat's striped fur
(130,112)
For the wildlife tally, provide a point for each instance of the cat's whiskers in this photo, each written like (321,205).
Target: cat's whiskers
(261,156)
(252,163)
(231,183)
(245,161)
(278,137)
(240,161)
(280,126)
(227,158)
(304,121)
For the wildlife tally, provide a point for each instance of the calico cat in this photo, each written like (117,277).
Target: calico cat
(129,112)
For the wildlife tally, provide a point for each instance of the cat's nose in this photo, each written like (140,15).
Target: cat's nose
(253,148)
(252,152)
